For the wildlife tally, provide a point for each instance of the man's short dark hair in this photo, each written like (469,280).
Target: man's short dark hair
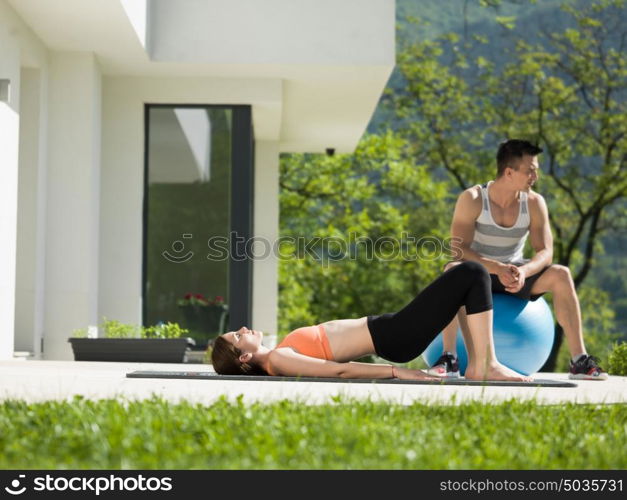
(511,151)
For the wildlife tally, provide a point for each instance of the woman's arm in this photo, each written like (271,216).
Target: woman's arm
(287,362)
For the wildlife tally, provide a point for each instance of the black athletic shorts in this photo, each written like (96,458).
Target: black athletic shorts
(524,292)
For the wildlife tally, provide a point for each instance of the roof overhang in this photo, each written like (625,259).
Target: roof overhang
(333,58)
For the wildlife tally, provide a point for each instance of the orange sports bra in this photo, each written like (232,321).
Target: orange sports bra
(310,341)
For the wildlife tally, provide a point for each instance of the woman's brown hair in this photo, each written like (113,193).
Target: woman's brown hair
(225,360)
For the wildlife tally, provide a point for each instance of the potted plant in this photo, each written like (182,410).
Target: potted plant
(164,343)
(205,317)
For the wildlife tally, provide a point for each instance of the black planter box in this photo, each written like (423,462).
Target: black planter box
(140,350)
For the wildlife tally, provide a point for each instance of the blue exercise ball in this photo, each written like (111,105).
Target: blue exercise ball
(523,335)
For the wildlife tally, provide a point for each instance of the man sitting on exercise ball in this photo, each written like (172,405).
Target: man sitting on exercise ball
(490,225)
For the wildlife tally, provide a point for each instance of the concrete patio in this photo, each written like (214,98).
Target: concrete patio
(36,380)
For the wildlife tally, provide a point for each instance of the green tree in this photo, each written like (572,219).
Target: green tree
(574,105)
(362,204)
(566,92)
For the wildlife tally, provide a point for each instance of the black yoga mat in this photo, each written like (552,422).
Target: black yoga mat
(206,375)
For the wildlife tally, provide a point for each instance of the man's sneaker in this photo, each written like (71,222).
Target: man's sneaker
(446,366)
(586,368)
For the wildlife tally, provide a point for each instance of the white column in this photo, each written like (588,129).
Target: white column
(9,139)
(266,221)
(121,207)
(29,288)
(73,192)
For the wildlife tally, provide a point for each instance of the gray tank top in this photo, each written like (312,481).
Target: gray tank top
(504,244)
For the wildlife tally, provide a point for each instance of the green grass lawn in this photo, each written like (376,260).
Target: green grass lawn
(343,434)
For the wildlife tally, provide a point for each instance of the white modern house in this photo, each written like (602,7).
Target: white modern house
(140,143)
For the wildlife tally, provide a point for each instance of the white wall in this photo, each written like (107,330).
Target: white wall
(334,57)
(73,198)
(123,177)
(9,137)
(121,197)
(265,266)
(301,32)
(137,12)
(29,288)
(22,160)
(80,225)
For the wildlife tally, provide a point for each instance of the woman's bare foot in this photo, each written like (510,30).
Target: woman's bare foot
(495,371)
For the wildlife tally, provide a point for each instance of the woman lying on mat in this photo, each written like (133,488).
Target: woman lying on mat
(326,350)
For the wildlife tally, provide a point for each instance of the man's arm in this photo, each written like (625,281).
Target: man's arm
(540,237)
(541,241)
(463,231)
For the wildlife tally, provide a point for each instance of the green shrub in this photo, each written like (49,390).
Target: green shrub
(116,330)
(79,333)
(165,331)
(113,329)
(617,359)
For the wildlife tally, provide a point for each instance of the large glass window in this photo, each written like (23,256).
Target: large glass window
(189,167)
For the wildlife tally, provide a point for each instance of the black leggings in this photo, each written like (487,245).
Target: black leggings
(404,335)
